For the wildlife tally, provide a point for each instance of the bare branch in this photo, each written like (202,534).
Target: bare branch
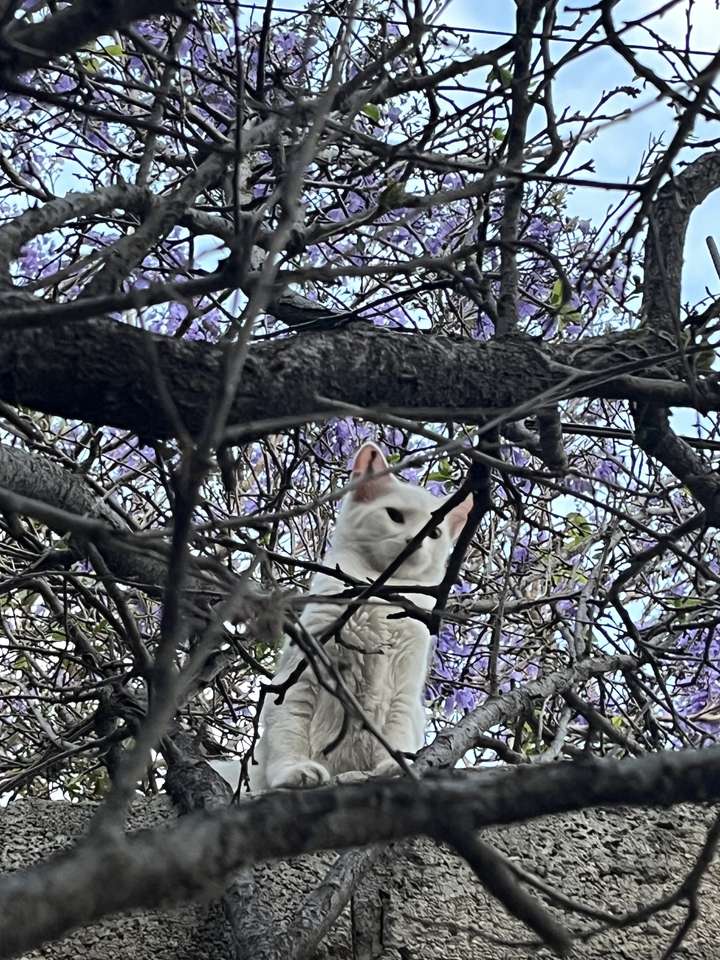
(193,858)
(72,27)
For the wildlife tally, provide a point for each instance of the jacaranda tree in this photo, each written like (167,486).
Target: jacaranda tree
(237,241)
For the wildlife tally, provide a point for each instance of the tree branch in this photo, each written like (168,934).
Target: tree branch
(664,250)
(114,379)
(72,507)
(194,858)
(324,905)
(665,243)
(74,26)
(56,212)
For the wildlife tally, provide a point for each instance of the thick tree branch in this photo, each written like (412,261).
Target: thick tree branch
(494,872)
(76,25)
(664,251)
(527,13)
(33,485)
(115,376)
(166,213)
(193,858)
(37,478)
(325,904)
(656,437)
(56,212)
(665,243)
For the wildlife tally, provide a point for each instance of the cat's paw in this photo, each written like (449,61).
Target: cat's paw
(387,768)
(352,776)
(306,773)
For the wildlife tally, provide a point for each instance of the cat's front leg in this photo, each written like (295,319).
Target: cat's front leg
(285,744)
(403,725)
(389,767)
(403,731)
(404,737)
(301,773)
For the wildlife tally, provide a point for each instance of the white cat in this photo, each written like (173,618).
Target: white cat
(383,661)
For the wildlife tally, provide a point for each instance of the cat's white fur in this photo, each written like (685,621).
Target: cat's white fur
(383,661)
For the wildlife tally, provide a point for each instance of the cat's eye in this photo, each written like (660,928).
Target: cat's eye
(395,515)
(434,533)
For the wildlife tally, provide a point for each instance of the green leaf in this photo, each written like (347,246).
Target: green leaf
(114,49)
(91,64)
(392,195)
(499,134)
(685,603)
(556,295)
(579,523)
(371,110)
(579,530)
(506,77)
(568,314)
(705,357)
(443,471)
(502,74)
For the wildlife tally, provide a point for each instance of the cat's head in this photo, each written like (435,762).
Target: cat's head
(382,514)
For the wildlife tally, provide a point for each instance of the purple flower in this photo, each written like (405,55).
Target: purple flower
(525,309)
(566,608)
(549,325)
(286,42)
(580,484)
(593,294)
(461,587)
(537,228)
(606,470)
(451,181)
(436,487)
(63,84)
(354,202)
(520,554)
(30,258)
(484,328)
(460,701)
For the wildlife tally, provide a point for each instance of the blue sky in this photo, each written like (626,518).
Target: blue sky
(618,148)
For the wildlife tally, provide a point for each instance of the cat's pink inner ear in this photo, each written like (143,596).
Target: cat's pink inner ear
(368,467)
(459,514)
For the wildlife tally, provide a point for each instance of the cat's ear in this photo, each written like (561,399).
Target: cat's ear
(369,468)
(458,515)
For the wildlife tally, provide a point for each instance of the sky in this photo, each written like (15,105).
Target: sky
(618,148)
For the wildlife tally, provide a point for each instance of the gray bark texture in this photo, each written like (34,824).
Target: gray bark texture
(424,902)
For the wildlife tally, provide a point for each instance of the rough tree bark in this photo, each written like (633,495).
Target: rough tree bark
(427,903)
(196,857)
(116,368)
